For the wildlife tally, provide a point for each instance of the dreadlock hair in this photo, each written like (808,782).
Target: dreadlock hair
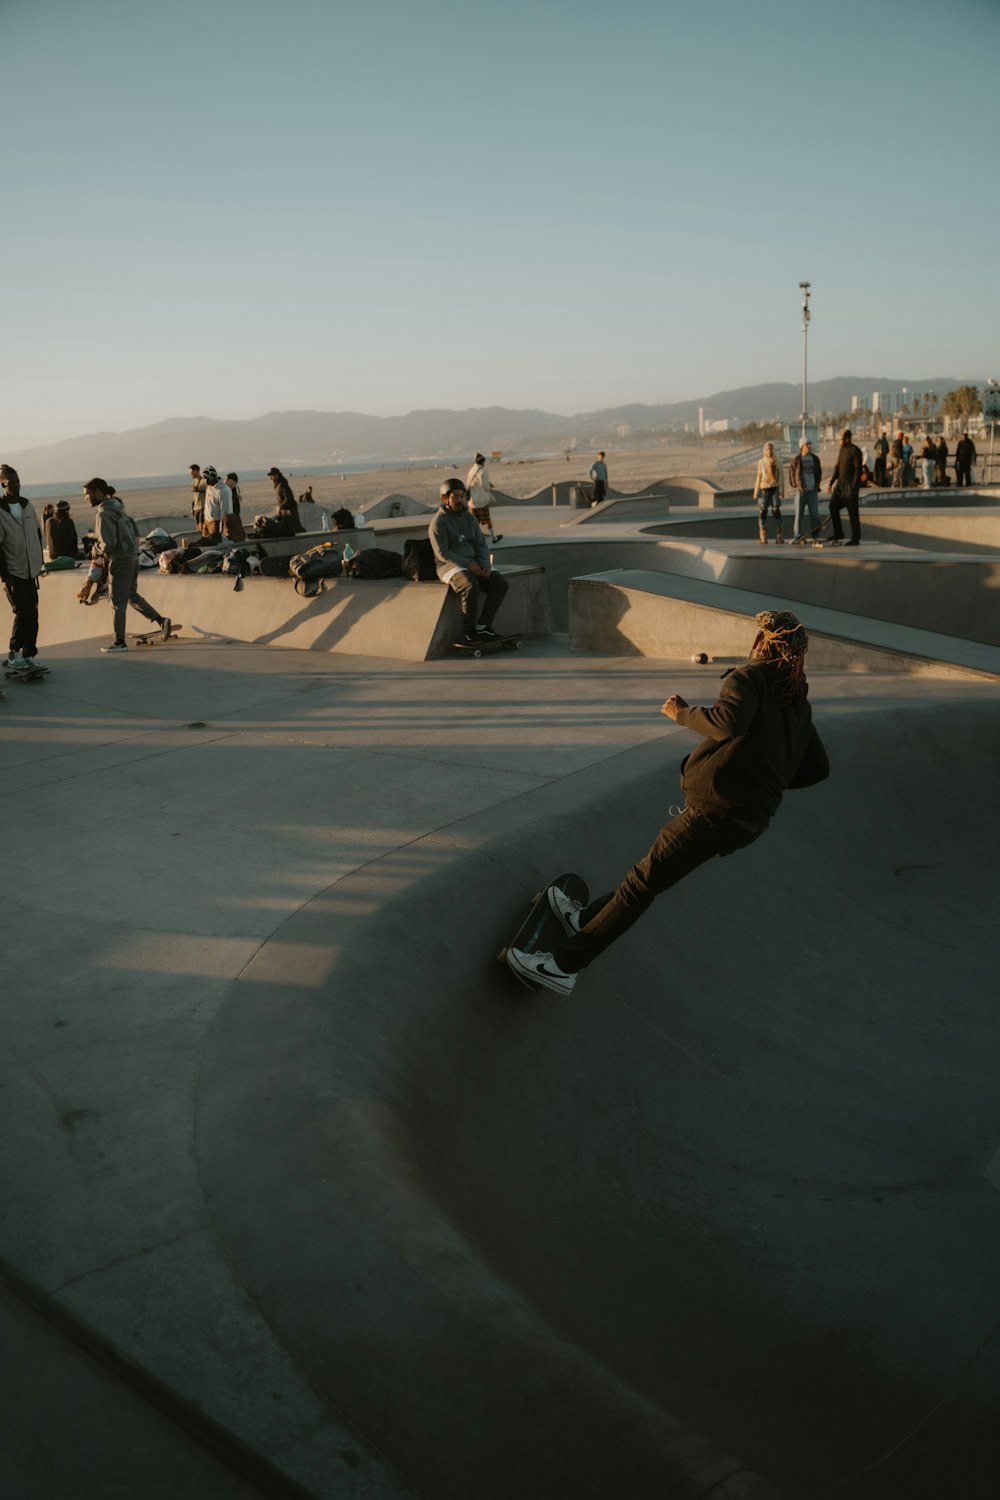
(783,640)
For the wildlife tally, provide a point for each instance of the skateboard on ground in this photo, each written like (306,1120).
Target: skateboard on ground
(33,674)
(479,648)
(541,930)
(155,637)
(808,536)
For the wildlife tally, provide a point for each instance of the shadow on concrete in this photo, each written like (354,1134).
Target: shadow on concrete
(736,1196)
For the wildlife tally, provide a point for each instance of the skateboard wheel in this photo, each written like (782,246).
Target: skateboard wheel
(700,657)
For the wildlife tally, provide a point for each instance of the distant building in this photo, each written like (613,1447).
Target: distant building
(885,402)
(623,430)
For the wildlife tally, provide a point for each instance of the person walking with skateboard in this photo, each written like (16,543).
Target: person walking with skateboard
(118,541)
(463,562)
(21,564)
(759,741)
(845,487)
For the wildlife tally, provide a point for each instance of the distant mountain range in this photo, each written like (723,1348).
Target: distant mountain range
(304,439)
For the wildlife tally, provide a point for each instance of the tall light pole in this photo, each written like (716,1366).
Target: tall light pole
(804,287)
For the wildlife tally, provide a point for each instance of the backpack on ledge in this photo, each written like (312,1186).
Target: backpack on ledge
(418,561)
(375,562)
(309,567)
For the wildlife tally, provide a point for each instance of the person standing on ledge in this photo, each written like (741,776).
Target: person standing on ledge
(845,487)
(759,742)
(768,491)
(463,562)
(20,566)
(599,476)
(198,488)
(805,477)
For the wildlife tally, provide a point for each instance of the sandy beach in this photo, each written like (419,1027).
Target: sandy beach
(521,478)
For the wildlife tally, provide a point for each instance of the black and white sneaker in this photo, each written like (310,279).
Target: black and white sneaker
(484,633)
(566,909)
(540,968)
(165,628)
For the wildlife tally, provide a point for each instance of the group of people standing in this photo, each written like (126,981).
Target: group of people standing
(895,465)
(805,477)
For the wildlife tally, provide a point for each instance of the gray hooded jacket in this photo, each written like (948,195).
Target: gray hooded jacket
(116,532)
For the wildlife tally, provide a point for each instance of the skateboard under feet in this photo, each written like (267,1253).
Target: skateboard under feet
(541,930)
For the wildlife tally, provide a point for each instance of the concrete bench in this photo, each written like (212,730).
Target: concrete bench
(634,612)
(391,617)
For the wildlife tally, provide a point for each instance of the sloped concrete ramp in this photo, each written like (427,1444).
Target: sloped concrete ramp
(723,1223)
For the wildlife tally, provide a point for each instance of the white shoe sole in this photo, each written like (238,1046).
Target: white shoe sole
(557,985)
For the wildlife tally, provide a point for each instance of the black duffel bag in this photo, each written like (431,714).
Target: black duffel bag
(375,562)
(418,561)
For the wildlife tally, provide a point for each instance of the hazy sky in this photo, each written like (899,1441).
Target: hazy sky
(227,207)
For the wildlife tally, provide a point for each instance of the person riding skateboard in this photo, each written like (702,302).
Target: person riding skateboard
(759,741)
(463,562)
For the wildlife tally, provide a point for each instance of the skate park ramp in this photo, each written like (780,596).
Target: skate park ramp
(724,1222)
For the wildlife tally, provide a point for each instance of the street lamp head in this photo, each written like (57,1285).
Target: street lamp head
(805,285)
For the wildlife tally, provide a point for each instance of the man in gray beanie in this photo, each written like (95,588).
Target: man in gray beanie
(759,740)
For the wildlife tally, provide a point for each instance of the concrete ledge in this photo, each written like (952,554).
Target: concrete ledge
(391,618)
(630,612)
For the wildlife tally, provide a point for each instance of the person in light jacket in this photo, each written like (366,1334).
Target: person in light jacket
(118,541)
(768,491)
(20,567)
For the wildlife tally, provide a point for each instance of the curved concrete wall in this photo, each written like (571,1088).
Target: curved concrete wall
(736,1186)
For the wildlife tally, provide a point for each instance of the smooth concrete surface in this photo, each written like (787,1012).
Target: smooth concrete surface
(364,617)
(279,1130)
(628,612)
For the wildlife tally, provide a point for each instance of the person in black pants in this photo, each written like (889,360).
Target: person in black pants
(759,741)
(845,487)
(965,457)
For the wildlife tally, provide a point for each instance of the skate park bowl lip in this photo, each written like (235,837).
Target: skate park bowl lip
(736,1195)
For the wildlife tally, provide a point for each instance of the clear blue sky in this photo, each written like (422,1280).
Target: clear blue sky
(226,207)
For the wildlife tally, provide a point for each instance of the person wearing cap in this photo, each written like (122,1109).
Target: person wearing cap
(804,477)
(198,487)
(881,457)
(463,562)
(759,741)
(233,481)
(61,539)
(118,541)
(845,488)
(20,567)
(220,519)
(287,504)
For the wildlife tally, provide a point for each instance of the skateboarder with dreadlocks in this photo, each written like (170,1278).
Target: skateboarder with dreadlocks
(759,741)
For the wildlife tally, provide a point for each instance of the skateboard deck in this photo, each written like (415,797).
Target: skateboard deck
(541,929)
(33,674)
(483,648)
(155,637)
(809,536)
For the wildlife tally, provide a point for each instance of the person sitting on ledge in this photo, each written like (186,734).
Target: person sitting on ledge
(463,561)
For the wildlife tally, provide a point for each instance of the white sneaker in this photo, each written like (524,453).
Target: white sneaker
(566,909)
(540,968)
(17,663)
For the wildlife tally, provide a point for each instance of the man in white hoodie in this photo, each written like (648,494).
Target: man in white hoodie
(20,566)
(118,539)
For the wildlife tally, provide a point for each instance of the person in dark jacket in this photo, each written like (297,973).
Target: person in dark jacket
(965,457)
(941,461)
(759,741)
(61,539)
(805,477)
(881,458)
(287,503)
(845,486)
